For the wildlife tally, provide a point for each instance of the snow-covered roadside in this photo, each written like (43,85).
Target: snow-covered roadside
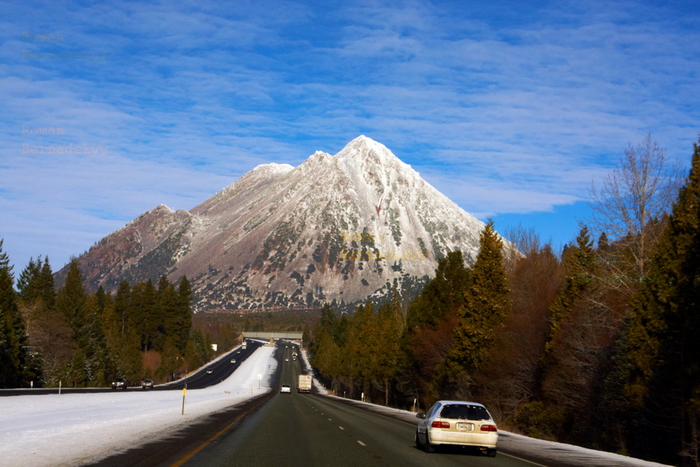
(317,385)
(550,452)
(72,429)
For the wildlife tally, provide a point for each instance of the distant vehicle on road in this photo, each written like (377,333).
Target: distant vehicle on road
(304,384)
(233,360)
(147,384)
(245,345)
(457,423)
(210,372)
(119,383)
(285,389)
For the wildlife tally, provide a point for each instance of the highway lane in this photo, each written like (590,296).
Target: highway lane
(306,430)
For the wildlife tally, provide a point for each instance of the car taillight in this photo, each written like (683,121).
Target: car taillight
(488,428)
(440,425)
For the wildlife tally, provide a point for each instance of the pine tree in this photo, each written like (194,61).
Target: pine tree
(168,303)
(91,339)
(184,310)
(26,283)
(170,360)
(122,305)
(101,298)
(35,281)
(13,335)
(130,356)
(152,317)
(660,363)
(193,356)
(388,352)
(47,286)
(71,298)
(358,352)
(442,295)
(578,267)
(5,261)
(486,304)
(91,361)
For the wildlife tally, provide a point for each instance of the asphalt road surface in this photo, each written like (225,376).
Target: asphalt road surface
(307,430)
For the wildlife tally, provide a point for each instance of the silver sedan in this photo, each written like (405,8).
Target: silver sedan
(457,423)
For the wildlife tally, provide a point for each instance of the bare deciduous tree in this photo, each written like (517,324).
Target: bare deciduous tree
(634,196)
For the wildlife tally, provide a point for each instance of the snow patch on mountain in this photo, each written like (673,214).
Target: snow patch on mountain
(340,228)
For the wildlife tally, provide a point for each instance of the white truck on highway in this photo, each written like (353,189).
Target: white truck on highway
(304,384)
(245,344)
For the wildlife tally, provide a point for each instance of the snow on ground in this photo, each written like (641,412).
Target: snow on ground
(71,429)
(319,387)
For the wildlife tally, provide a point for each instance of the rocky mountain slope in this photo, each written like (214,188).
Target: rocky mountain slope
(337,227)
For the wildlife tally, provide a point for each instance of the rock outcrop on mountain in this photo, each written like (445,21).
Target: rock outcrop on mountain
(340,228)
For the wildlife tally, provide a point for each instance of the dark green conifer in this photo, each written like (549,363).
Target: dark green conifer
(5,261)
(580,271)
(71,298)
(660,362)
(485,307)
(47,287)
(13,335)
(184,310)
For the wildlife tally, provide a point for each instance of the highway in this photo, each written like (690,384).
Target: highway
(202,378)
(220,370)
(310,430)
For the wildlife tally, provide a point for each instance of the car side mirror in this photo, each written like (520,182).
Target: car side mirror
(420,415)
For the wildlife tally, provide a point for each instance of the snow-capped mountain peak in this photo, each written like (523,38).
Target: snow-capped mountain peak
(340,228)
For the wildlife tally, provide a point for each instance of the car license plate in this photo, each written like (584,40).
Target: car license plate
(465,426)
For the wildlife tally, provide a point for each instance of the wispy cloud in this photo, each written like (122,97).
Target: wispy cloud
(507,109)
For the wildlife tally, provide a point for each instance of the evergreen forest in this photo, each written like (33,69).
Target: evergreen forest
(67,336)
(597,346)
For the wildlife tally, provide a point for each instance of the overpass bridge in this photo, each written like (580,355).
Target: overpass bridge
(297,336)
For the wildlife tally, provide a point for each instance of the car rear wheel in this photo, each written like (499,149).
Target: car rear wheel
(417,441)
(429,448)
(491,452)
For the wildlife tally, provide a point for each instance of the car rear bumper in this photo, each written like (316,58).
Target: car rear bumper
(486,440)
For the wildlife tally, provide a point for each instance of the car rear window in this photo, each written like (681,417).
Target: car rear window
(465,412)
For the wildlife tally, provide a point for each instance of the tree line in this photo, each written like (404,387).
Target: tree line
(608,364)
(67,335)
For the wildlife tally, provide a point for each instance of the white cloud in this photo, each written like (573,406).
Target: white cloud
(505,110)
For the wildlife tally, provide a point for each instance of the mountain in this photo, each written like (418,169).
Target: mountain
(340,227)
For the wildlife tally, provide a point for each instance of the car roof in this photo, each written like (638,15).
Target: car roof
(459,403)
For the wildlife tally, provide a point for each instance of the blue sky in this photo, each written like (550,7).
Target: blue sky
(508,108)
